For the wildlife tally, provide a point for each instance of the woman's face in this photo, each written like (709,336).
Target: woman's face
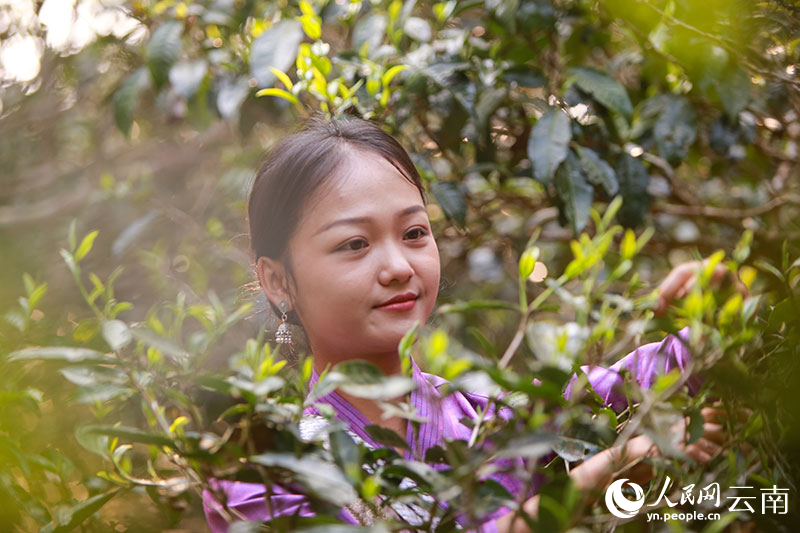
(364,239)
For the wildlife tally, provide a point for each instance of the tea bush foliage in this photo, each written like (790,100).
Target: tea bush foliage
(574,151)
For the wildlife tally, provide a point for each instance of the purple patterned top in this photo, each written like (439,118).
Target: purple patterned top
(442,415)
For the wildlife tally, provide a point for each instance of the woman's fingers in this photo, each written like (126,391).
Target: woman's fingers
(673,283)
(703,450)
(715,433)
(683,277)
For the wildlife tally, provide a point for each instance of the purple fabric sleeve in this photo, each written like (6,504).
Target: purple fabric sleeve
(248,500)
(645,364)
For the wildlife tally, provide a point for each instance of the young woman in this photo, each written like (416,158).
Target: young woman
(344,248)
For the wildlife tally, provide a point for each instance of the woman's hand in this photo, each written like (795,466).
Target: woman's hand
(594,475)
(714,437)
(683,278)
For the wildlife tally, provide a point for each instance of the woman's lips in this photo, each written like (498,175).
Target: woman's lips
(405,305)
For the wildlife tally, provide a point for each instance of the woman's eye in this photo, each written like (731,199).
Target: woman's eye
(416,233)
(354,245)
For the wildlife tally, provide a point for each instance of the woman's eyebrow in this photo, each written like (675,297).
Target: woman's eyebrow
(362,220)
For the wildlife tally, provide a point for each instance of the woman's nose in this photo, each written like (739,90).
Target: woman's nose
(395,266)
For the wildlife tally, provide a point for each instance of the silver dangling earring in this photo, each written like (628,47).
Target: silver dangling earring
(283,335)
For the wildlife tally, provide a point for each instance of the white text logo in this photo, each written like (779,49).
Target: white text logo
(618,504)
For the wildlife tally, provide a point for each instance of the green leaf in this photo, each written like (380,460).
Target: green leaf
(86,245)
(129,434)
(527,262)
(283,77)
(390,73)
(547,145)
(733,89)
(322,477)
(369,31)
(261,388)
(280,93)
(528,446)
(525,76)
(186,77)
(277,47)
(476,305)
(605,89)
(231,93)
(572,450)
(695,428)
(452,198)
(92,375)
(627,247)
(387,437)
(125,100)
(418,29)
(64,354)
(767,267)
(116,333)
(163,345)
(74,516)
(163,51)
(575,193)
(676,129)
(488,102)
(598,171)
(72,240)
(633,181)
(365,380)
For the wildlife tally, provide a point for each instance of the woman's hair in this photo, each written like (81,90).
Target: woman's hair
(298,165)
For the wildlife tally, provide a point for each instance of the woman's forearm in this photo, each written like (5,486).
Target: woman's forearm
(591,477)
(597,472)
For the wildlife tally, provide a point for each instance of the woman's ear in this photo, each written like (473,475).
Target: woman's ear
(274,283)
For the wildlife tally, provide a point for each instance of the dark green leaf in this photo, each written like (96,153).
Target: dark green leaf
(116,333)
(476,305)
(598,171)
(369,29)
(605,89)
(71,518)
(246,527)
(418,29)
(547,145)
(231,95)
(783,313)
(575,193)
(525,76)
(695,428)
(93,375)
(187,76)
(633,181)
(129,434)
(572,450)
(60,353)
(452,198)
(165,346)
(163,51)
(276,47)
(387,437)
(675,129)
(733,89)
(528,446)
(488,101)
(126,99)
(321,477)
